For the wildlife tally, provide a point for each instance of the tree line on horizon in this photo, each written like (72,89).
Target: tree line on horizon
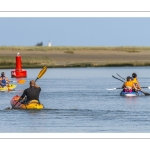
(39,44)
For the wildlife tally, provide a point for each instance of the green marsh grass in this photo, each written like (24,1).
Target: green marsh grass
(72,48)
(37,60)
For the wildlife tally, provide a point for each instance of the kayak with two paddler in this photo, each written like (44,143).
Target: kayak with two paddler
(33,104)
(130,93)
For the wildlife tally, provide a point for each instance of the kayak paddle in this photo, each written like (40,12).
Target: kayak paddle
(120,76)
(146,94)
(113,88)
(41,73)
(117,78)
(146,87)
(20,81)
(121,88)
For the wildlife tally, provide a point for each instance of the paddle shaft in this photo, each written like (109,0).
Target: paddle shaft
(120,76)
(20,81)
(145,93)
(117,78)
(114,89)
(145,87)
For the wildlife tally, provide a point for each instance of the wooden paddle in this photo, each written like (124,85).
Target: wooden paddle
(41,73)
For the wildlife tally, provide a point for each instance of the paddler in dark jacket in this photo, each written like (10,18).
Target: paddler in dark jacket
(135,81)
(128,86)
(31,93)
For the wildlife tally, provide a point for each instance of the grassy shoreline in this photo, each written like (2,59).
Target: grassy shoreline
(62,57)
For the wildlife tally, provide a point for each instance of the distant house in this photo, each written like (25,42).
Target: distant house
(49,44)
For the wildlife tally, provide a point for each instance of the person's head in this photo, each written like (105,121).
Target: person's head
(32,83)
(2,74)
(128,78)
(134,75)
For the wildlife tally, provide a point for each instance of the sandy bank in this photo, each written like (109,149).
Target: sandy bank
(78,57)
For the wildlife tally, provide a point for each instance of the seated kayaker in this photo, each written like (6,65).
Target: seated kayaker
(31,93)
(135,81)
(128,86)
(4,81)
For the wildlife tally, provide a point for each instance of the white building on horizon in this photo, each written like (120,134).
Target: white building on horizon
(49,44)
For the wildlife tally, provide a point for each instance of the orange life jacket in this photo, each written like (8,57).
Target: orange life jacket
(129,83)
(135,81)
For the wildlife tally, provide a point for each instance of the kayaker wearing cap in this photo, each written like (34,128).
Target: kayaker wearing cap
(31,93)
(128,85)
(4,81)
(135,81)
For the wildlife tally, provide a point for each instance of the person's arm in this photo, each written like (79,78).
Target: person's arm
(7,80)
(22,96)
(138,85)
(0,81)
(40,89)
(134,86)
(36,86)
(123,85)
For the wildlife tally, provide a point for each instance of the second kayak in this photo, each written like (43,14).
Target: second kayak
(130,94)
(11,87)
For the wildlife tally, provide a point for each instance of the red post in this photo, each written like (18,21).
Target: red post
(18,63)
(18,72)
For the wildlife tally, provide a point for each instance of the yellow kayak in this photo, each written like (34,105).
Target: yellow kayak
(33,104)
(11,87)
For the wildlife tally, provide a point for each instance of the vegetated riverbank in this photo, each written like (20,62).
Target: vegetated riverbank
(39,56)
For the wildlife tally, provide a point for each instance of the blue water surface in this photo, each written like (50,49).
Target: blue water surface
(76,101)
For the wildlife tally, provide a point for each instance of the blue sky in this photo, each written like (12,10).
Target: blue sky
(75,31)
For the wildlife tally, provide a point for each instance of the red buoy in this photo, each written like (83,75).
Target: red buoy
(18,72)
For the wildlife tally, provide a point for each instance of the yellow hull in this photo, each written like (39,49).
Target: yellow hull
(11,87)
(33,104)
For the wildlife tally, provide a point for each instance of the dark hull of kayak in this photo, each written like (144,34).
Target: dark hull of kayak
(131,94)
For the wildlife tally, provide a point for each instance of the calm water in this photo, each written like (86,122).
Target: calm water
(76,101)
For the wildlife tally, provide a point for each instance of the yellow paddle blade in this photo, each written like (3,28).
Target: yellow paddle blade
(21,81)
(41,73)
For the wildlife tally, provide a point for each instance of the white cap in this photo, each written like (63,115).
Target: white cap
(18,53)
